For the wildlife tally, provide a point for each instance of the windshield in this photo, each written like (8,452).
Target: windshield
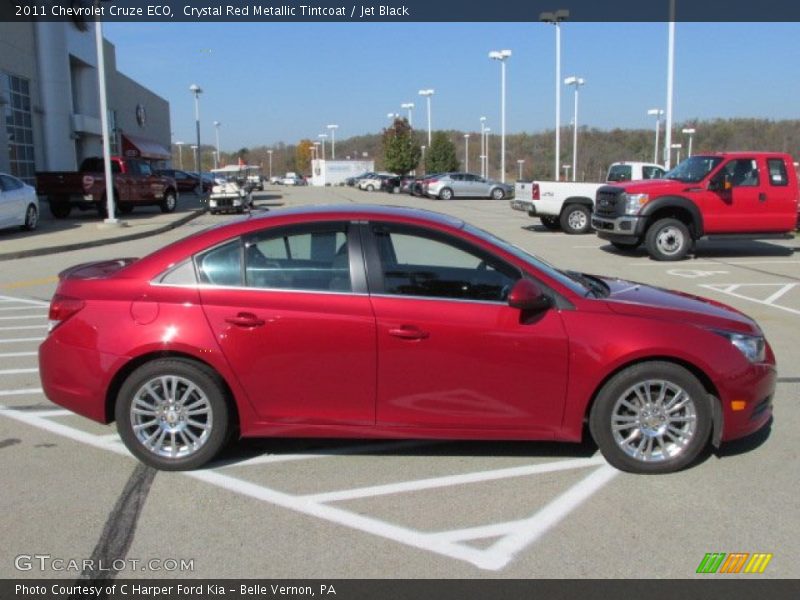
(694,169)
(571,281)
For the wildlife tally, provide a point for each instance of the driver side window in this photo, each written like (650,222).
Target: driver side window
(428,264)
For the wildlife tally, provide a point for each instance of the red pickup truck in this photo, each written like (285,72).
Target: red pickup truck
(751,194)
(135,184)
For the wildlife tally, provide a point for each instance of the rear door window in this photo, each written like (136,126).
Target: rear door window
(777,172)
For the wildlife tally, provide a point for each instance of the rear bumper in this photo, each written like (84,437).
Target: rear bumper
(522,205)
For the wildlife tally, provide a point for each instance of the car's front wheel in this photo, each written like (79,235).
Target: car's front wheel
(169,203)
(445,194)
(498,194)
(31,218)
(172,414)
(653,417)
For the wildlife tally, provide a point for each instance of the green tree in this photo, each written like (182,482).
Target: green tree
(400,150)
(441,156)
(302,156)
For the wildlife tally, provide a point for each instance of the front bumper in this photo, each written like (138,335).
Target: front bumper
(756,388)
(617,226)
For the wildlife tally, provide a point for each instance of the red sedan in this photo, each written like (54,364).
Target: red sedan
(389,322)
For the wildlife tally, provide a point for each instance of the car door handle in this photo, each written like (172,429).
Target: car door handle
(408,332)
(245,319)
(762,197)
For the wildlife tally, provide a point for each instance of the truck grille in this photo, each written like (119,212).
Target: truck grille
(608,202)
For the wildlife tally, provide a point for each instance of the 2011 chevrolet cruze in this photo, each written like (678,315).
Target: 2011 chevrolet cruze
(390,322)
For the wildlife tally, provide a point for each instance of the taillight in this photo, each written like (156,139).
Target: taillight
(88,181)
(535,191)
(62,308)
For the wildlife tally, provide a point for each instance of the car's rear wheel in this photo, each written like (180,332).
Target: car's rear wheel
(370,188)
(654,417)
(575,219)
(498,194)
(31,218)
(172,414)
(169,203)
(59,207)
(550,223)
(445,194)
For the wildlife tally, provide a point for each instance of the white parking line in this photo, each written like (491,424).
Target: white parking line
(726,263)
(19,340)
(23,327)
(7,308)
(17,354)
(451,480)
(21,392)
(11,299)
(732,289)
(18,371)
(21,317)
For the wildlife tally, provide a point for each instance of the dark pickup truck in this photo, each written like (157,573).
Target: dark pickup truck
(135,184)
(743,194)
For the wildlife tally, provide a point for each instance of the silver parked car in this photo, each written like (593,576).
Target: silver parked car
(467,185)
(19,206)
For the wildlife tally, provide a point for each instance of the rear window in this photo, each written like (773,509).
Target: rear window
(620,173)
(221,265)
(96,165)
(777,172)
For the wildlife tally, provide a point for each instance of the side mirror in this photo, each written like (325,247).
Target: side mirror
(526,295)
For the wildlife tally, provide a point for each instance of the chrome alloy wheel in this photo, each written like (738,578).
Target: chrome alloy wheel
(171,417)
(577,220)
(670,240)
(654,421)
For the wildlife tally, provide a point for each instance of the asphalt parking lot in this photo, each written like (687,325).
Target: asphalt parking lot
(406,508)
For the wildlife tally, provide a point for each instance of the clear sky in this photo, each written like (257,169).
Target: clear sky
(268,82)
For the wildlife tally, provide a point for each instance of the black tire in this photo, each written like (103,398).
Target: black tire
(498,194)
(576,219)
(208,396)
(125,208)
(169,203)
(643,428)
(370,188)
(31,218)
(550,223)
(668,240)
(102,209)
(445,194)
(60,207)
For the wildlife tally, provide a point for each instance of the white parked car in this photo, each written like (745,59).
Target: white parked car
(19,206)
(373,182)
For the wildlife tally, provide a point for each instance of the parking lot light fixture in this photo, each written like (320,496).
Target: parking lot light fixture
(409,106)
(197,90)
(657,113)
(332,129)
(577,82)
(678,148)
(502,56)
(556,18)
(690,131)
(323,137)
(427,95)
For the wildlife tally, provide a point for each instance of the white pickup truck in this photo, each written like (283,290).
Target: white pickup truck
(568,205)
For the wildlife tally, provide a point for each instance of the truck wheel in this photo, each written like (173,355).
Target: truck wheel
(576,218)
(668,239)
(59,207)
(653,417)
(102,209)
(169,203)
(125,208)
(550,223)
(498,194)
(445,194)
(31,218)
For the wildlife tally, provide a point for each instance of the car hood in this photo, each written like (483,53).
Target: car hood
(654,187)
(640,300)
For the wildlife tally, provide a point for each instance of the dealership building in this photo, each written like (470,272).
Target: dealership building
(50,104)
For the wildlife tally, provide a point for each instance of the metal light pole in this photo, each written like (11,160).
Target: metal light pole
(690,131)
(566,171)
(678,148)
(483,147)
(180,154)
(423,158)
(556,18)
(197,90)
(520,162)
(216,156)
(427,95)
(466,152)
(657,113)
(502,56)
(104,128)
(332,129)
(408,106)
(323,137)
(577,82)
(486,149)
(269,153)
(670,77)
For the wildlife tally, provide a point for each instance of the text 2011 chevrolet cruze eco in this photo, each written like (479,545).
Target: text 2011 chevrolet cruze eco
(370,322)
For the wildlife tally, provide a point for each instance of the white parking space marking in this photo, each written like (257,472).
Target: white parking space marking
(16,354)
(20,340)
(735,289)
(23,301)
(23,327)
(21,317)
(727,263)
(21,392)
(694,273)
(17,371)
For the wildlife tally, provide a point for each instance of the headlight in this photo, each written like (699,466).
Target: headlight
(752,346)
(634,202)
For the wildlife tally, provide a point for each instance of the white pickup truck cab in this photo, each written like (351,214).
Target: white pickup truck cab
(568,205)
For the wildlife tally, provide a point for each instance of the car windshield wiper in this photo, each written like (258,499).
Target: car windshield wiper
(594,286)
